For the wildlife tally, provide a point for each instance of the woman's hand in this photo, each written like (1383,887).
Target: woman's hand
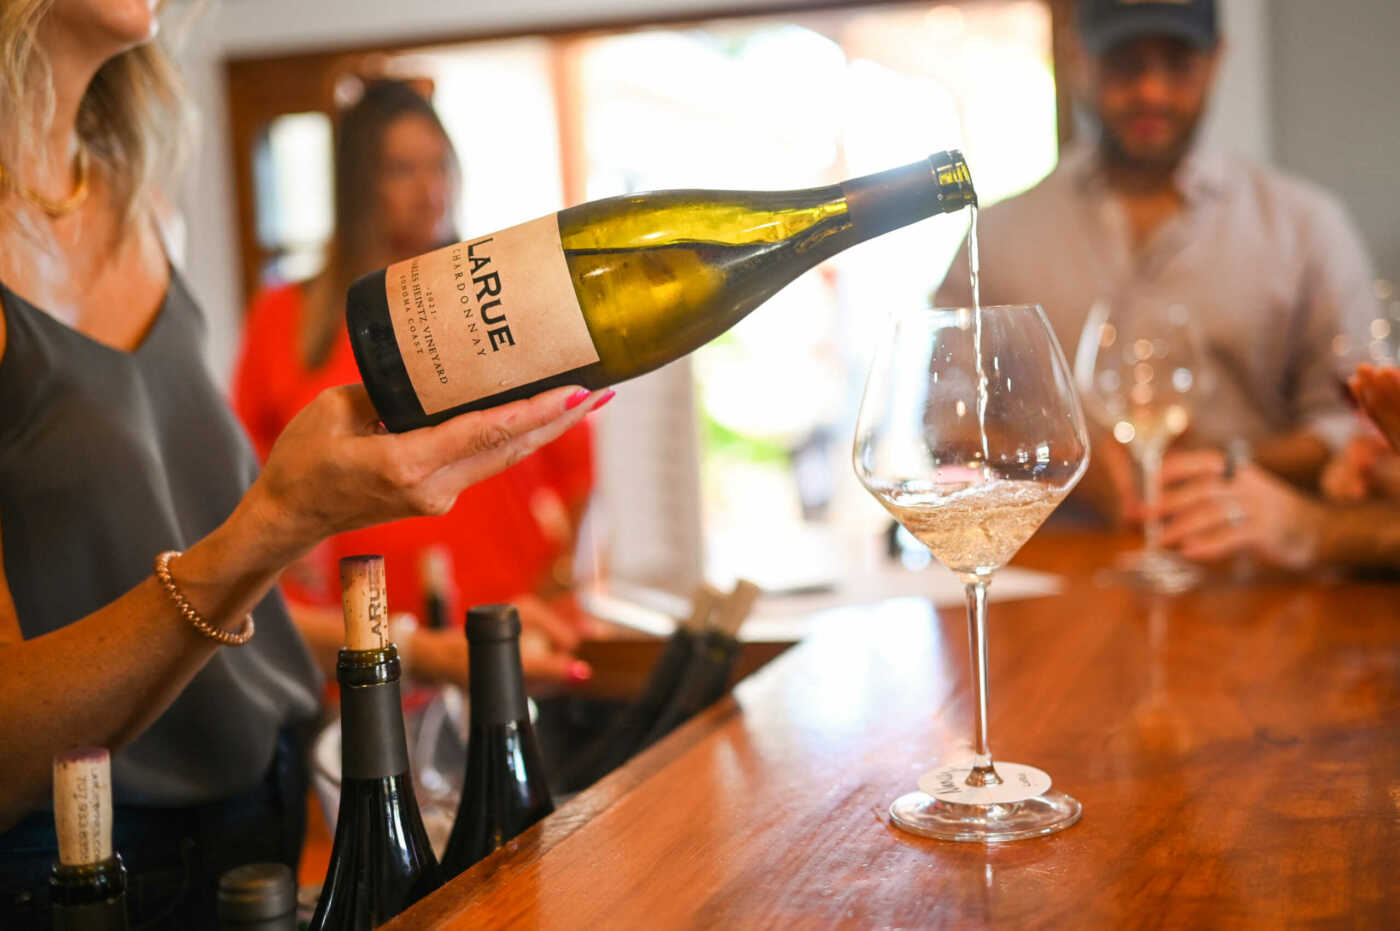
(1209,517)
(440,656)
(335,468)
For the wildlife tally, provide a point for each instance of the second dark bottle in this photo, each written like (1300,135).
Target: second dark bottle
(504,791)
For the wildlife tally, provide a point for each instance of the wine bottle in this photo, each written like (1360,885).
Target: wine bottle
(258,897)
(381,860)
(435,575)
(87,885)
(611,289)
(706,678)
(624,735)
(504,790)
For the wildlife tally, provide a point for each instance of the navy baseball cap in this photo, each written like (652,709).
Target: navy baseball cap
(1105,23)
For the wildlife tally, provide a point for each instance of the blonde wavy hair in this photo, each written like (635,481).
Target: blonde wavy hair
(135,117)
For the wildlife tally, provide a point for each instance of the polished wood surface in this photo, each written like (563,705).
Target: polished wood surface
(1236,750)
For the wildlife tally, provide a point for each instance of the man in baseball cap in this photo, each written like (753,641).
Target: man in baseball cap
(1105,23)
(1150,67)
(1141,214)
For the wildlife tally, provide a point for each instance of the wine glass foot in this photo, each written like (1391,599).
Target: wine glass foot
(927,816)
(1156,571)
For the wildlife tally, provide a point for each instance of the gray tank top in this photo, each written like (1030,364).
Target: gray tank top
(106,459)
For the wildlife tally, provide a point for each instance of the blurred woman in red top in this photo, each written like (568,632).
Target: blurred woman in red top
(509,538)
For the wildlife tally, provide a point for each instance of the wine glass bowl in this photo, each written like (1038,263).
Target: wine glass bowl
(972,499)
(1140,370)
(970,433)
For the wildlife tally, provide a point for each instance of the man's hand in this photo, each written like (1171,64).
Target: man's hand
(1209,517)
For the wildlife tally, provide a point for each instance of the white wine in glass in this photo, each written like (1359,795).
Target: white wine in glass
(970,433)
(1139,369)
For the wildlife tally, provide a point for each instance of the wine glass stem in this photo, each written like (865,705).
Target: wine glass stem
(1152,499)
(983,773)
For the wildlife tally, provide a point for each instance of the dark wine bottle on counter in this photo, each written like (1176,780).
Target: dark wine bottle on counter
(258,897)
(504,790)
(611,289)
(706,678)
(87,886)
(381,860)
(624,735)
(435,574)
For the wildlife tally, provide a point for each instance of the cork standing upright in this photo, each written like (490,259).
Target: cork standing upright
(366,603)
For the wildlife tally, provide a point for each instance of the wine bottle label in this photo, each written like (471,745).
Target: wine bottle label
(1018,783)
(82,806)
(485,315)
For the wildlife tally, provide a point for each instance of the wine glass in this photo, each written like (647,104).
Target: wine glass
(970,433)
(1139,370)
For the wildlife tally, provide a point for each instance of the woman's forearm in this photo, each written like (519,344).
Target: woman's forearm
(105,678)
(1297,457)
(1365,536)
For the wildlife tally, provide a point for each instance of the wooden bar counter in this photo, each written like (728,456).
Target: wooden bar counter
(1236,750)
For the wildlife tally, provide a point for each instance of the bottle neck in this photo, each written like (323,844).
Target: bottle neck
(372,740)
(890,199)
(91,895)
(497,683)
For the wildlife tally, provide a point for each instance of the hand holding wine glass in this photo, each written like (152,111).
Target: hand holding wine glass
(970,433)
(1139,369)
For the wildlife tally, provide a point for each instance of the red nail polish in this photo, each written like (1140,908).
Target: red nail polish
(579,671)
(577,398)
(607,396)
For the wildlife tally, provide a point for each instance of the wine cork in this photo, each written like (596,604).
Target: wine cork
(702,604)
(366,602)
(735,608)
(82,805)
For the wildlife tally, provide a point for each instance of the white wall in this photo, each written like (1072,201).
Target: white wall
(1241,119)
(1337,119)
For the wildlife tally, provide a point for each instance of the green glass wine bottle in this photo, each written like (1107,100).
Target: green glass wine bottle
(610,289)
(87,886)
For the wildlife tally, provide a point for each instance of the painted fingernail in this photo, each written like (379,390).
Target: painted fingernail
(577,398)
(605,398)
(579,671)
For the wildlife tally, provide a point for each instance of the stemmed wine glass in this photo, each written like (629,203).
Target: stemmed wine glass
(1139,370)
(970,433)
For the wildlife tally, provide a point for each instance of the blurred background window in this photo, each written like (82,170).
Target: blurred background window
(295,198)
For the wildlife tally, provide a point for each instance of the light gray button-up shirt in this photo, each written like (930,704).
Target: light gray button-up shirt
(1270,268)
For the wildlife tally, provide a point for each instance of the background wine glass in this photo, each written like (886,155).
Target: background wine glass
(973,497)
(1139,369)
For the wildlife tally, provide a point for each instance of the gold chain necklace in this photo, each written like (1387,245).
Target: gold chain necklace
(55,208)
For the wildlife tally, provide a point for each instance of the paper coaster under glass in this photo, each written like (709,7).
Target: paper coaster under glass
(1021,805)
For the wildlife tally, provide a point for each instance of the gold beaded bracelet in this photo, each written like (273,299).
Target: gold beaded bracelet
(188,612)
